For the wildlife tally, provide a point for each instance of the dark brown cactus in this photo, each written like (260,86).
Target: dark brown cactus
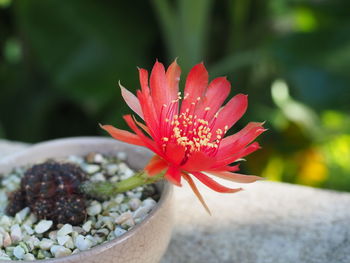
(51,191)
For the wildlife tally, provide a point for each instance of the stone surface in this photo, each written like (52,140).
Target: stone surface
(268,222)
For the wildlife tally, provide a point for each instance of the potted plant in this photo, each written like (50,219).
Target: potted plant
(187,135)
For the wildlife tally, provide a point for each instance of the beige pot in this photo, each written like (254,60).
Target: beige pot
(147,241)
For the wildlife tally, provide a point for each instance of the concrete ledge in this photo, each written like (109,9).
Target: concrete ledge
(267,223)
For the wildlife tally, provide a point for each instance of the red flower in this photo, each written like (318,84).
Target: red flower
(188,137)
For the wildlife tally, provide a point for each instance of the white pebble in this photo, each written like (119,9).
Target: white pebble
(7,240)
(28,229)
(134,203)
(60,251)
(5,221)
(21,215)
(87,226)
(46,244)
(82,243)
(98,158)
(29,257)
(69,243)
(1,240)
(91,168)
(94,209)
(16,233)
(18,252)
(141,212)
(98,177)
(119,231)
(112,169)
(65,230)
(149,202)
(62,239)
(43,226)
(31,220)
(53,235)
(119,198)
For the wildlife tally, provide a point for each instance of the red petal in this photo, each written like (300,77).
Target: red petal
(173,174)
(155,166)
(174,153)
(231,112)
(131,100)
(234,143)
(239,154)
(143,75)
(215,96)
(122,135)
(198,161)
(149,112)
(160,93)
(238,178)
(214,185)
(173,77)
(196,85)
(147,141)
(196,192)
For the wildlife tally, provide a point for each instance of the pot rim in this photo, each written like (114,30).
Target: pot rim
(166,194)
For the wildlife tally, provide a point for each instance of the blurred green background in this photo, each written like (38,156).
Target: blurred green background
(60,62)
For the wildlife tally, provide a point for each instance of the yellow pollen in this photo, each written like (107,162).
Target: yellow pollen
(193,133)
(207,109)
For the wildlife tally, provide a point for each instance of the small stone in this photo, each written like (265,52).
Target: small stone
(95,158)
(65,230)
(7,241)
(16,233)
(75,251)
(28,229)
(94,209)
(98,177)
(87,226)
(119,198)
(32,242)
(24,246)
(21,215)
(18,252)
(112,169)
(46,244)
(134,203)
(29,256)
(98,158)
(141,212)
(62,239)
(119,231)
(1,240)
(69,243)
(83,243)
(91,168)
(123,218)
(60,251)
(31,220)
(102,232)
(5,221)
(53,235)
(43,226)
(149,202)
(78,229)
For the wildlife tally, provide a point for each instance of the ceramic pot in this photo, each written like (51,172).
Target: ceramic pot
(147,241)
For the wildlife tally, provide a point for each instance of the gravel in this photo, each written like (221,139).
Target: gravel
(24,237)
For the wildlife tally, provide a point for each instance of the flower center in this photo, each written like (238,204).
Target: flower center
(192,132)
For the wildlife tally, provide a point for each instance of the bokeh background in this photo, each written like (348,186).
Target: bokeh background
(60,62)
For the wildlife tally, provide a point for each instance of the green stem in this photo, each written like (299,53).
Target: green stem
(107,189)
